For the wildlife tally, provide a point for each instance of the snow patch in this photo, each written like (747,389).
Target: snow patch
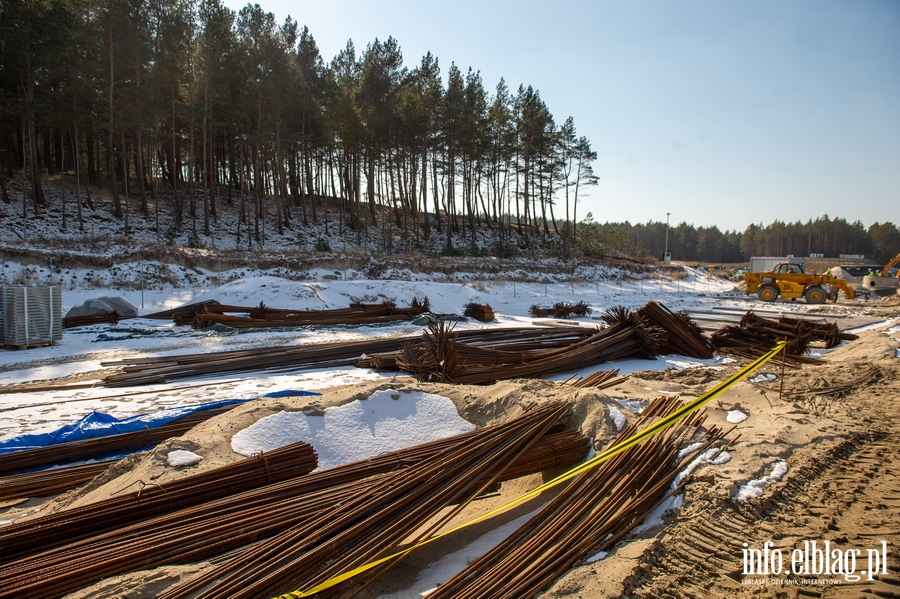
(448,566)
(761,378)
(181,457)
(591,451)
(723,458)
(635,405)
(675,502)
(704,458)
(689,449)
(755,487)
(617,417)
(597,556)
(655,517)
(872,327)
(736,417)
(387,421)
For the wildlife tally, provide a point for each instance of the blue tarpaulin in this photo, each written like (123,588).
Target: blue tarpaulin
(98,424)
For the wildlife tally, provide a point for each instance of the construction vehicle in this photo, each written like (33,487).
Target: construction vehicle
(886,271)
(881,282)
(792,280)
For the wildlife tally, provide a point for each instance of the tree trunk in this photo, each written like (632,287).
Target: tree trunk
(117,205)
(91,162)
(36,188)
(3,193)
(125,182)
(204,172)
(370,187)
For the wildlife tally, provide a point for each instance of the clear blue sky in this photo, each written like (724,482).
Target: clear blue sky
(720,112)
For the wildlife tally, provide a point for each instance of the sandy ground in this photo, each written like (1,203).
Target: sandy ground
(841,483)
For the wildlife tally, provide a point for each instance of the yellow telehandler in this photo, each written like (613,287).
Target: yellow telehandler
(792,281)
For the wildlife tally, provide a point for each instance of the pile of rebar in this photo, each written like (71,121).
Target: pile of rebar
(49,482)
(683,336)
(755,336)
(560,310)
(486,355)
(208,313)
(297,517)
(442,357)
(263,317)
(14,483)
(152,499)
(183,314)
(61,453)
(480,312)
(827,332)
(374,520)
(602,379)
(145,371)
(591,514)
(71,322)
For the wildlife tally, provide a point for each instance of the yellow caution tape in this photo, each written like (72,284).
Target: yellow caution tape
(646,433)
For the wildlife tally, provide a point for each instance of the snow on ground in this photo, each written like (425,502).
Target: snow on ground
(874,327)
(736,417)
(618,418)
(454,563)
(656,517)
(755,487)
(386,421)
(82,350)
(636,406)
(181,458)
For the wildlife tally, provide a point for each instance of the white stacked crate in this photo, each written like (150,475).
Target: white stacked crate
(30,316)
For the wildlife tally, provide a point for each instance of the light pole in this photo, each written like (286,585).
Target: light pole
(666,257)
(667,233)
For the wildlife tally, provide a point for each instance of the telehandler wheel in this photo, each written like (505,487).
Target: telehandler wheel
(767,293)
(815,294)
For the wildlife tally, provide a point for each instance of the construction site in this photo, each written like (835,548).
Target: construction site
(402,439)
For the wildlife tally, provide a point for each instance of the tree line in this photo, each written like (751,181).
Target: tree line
(180,105)
(176,106)
(830,237)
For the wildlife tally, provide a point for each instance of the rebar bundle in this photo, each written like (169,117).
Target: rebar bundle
(592,513)
(61,453)
(442,357)
(683,336)
(602,379)
(145,371)
(53,480)
(49,482)
(827,332)
(756,335)
(480,312)
(182,314)
(372,521)
(71,322)
(230,523)
(263,317)
(21,538)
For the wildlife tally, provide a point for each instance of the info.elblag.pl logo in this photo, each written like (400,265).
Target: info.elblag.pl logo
(815,562)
